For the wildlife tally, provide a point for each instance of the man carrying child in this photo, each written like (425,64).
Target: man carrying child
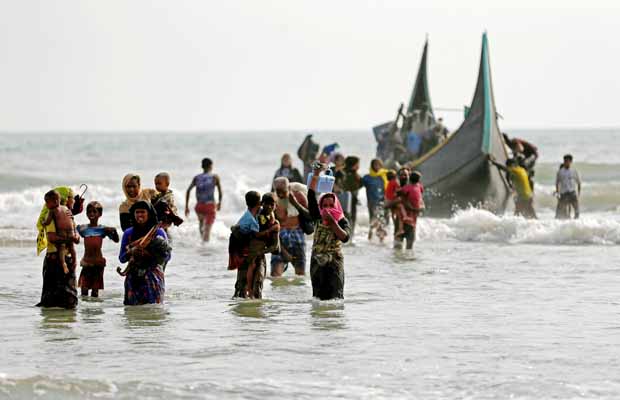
(249,243)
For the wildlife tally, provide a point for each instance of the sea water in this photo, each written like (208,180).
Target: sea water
(486,307)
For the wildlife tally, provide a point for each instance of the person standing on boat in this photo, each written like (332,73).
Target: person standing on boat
(440,131)
(288,171)
(568,188)
(524,200)
(206,207)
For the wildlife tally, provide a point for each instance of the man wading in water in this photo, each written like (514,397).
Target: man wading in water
(292,237)
(206,206)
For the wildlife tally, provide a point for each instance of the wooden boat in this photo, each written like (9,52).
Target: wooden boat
(456,173)
(418,117)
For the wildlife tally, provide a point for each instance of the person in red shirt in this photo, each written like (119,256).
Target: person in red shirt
(399,214)
(411,195)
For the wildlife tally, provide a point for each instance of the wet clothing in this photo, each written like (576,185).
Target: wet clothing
(408,235)
(259,277)
(391,189)
(327,261)
(375,188)
(293,241)
(59,289)
(91,276)
(207,212)
(238,258)
(248,223)
(525,207)
(414,194)
(144,282)
(42,243)
(520,181)
(205,187)
(567,201)
(567,180)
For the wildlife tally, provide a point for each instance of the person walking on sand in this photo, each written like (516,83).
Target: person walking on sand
(206,207)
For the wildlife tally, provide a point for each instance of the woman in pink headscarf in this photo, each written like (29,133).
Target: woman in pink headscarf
(332,229)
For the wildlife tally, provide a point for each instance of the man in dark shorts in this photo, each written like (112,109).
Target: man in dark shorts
(206,207)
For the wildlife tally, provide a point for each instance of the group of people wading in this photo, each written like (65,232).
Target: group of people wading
(275,223)
(145,215)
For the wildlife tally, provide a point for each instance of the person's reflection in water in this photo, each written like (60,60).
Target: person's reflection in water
(56,323)
(91,312)
(328,315)
(151,315)
(249,309)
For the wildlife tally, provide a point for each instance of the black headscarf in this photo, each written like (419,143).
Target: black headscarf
(141,230)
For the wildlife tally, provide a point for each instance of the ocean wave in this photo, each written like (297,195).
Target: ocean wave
(474,225)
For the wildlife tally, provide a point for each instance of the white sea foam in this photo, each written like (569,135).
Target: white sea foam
(482,226)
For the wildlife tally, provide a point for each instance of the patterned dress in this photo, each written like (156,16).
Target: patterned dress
(144,282)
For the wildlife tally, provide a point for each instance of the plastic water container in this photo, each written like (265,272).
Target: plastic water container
(326,182)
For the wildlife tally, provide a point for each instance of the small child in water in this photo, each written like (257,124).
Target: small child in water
(93,262)
(267,240)
(65,227)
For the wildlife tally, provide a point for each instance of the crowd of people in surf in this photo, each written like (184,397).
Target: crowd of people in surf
(323,205)
(321,202)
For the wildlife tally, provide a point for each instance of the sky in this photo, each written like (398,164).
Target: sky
(152,65)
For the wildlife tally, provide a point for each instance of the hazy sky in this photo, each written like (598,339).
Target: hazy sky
(255,64)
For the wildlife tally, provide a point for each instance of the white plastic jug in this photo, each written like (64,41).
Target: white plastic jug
(326,182)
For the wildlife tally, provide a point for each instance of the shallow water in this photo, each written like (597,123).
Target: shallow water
(486,307)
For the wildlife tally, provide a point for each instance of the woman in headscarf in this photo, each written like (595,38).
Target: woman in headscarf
(332,229)
(288,171)
(59,289)
(133,193)
(146,249)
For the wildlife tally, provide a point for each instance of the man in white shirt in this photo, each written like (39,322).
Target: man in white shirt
(568,187)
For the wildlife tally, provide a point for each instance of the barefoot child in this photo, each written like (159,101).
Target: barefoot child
(65,227)
(267,240)
(93,262)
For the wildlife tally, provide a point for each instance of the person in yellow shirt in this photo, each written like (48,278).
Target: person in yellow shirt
(519,179)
